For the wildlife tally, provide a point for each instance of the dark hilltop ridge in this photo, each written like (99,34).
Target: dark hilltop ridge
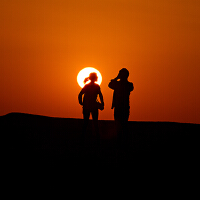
(35,140)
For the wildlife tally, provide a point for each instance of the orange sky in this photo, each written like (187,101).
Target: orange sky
(44,44)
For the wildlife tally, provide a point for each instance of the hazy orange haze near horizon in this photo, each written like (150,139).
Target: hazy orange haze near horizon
(44,44)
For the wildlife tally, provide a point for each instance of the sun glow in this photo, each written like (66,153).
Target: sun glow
(84,73)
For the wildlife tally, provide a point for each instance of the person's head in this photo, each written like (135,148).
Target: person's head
(93,77)
(123,74)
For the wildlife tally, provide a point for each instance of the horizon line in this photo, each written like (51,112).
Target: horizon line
(98,120)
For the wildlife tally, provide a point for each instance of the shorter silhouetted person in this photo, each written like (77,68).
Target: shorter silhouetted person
(122,88)
(90,103)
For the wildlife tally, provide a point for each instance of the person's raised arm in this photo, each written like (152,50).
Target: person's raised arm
(112,83)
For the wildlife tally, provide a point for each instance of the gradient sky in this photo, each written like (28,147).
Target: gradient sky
(45,43)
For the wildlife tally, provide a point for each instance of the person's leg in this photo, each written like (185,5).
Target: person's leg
(95,114)
(119,141)
(125,134)
(97,139)
(125,125)
(118,123)
(86,115)
(121,120)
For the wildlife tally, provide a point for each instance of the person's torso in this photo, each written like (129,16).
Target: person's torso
(91,92)
(121,95)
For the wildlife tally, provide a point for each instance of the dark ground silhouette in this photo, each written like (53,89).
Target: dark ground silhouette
(35,141)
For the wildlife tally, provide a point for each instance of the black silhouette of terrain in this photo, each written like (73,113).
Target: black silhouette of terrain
(33,140)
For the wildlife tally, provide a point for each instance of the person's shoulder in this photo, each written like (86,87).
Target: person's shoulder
(97,86)
(130,83)
(85,87)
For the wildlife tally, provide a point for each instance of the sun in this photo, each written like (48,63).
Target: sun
(84,73)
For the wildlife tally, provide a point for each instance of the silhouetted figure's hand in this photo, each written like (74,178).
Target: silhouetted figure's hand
(117,78)
(86,80)
(81,103)
(100,105)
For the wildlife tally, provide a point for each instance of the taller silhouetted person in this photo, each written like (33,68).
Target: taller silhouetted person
(90,103)
(122,88)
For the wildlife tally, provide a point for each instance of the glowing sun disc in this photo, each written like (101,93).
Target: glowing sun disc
(84,73)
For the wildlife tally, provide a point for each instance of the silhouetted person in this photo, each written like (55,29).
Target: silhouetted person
(90,103)
(122,88)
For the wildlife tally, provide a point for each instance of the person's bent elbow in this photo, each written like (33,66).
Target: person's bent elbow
(111,84)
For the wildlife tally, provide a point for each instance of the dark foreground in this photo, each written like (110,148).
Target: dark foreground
(38,141)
